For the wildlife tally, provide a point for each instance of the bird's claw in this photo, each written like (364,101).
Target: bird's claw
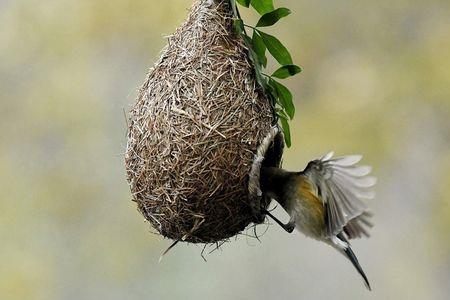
(289,227)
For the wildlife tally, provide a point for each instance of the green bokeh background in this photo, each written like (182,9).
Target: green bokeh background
(376,81)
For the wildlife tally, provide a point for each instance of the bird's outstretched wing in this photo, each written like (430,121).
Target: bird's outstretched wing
(342,186)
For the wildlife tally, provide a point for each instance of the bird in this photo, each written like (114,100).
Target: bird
(325,201)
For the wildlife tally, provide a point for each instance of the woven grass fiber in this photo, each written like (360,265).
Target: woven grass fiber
(195,130)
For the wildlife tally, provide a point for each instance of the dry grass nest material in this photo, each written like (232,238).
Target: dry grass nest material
(195,130)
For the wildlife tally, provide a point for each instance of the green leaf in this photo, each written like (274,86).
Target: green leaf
(276,48)
(247,40)
(262,81)
(262,6)
(286,131)
(273,17)
(260,48)
(286,71)
(245,3)
(238,26)
(284,97)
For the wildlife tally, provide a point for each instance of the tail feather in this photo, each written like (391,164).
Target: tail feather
(340,243)
(352,257)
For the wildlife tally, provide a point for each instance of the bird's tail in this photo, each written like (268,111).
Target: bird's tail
(348,252)
(341,244)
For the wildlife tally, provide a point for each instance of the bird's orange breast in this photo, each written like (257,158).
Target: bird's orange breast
(307,195)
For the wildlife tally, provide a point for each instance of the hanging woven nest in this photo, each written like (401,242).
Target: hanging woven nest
(199,133)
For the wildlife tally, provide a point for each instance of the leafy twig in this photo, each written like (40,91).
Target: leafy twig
(260,43)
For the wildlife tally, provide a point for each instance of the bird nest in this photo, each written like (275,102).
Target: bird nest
(199,133)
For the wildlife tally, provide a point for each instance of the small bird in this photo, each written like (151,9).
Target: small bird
(325,201)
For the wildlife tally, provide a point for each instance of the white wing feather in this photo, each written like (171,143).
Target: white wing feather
(343,186)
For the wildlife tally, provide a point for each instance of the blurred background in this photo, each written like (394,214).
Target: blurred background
(376,81)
